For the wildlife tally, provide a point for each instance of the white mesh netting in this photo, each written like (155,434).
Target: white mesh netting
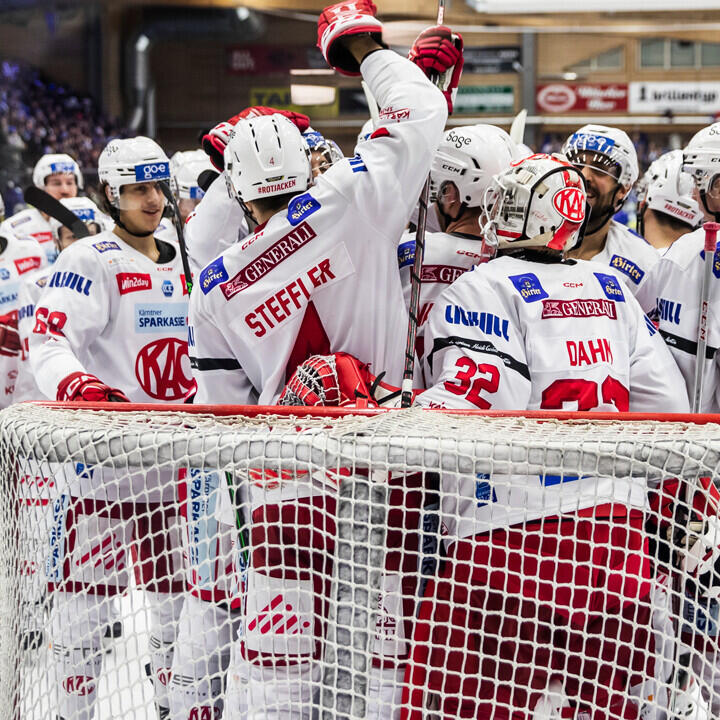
(408,564)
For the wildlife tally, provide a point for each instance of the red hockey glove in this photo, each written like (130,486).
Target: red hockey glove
(341,21)
(81,387)
(438,52)
(215,141)
(9,338)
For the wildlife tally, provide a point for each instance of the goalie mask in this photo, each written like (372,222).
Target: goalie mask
(324,153)
(266,156)
(132,161)
(469,157)
(701,159)
(56,164)
(668,189)
(538,202)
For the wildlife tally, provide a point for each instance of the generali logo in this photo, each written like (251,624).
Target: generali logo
(133,282)
(27,264)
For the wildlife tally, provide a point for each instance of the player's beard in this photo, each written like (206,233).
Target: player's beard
(603,208)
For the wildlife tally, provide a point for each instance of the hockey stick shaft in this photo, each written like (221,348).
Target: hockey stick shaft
(711,231)
(178,223)
(415,276)
(55,209)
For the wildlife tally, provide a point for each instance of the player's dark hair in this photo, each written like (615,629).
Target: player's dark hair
(669,222)
(274,203)
(103,202)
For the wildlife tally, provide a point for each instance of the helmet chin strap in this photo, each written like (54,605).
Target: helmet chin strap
(614,207)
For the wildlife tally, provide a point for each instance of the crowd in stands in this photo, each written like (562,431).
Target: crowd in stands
(39,116)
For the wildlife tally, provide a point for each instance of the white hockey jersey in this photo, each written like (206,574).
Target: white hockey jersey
(447,256)
(30,223)
(630,255)
(216,224)
(671,295)
(16,260)
(31,287)
(322,277)
(110,311)
(516,335)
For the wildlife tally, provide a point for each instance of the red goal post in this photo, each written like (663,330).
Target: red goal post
(362,450)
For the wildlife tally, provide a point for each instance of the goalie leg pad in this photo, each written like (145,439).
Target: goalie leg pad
(77,623)
(283,691)
(236,690)
(164,615)
(157,552)
(202,655)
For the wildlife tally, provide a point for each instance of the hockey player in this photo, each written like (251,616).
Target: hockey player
(219,222)
(324,153)
(608,161)
(186,168)
(111,326)
(666,206)
(59,176)
(325,252)
(497,634)
(462,170)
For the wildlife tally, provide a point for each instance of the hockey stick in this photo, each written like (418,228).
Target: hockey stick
(711,231)
(372,105)
(55,209)
(177,222)
(415,274)
(517,129)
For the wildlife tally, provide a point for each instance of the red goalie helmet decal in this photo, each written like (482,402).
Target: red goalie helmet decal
(570,203)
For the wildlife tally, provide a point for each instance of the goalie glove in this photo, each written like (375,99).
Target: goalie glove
(82,387)
(438,52)
(340,21)
(215,141)
(9,339)
(336,380)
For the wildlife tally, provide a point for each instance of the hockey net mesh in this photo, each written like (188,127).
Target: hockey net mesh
(272,566)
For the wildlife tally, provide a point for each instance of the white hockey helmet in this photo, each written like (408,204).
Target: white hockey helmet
(130,161)
(539,201)
(85,209)
(701,158)
(55,163)
(266,156)
(669,189)
(610,149)
(469,157)
(186,167)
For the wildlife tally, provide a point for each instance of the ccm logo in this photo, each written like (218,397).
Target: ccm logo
(79,685)
(572,285)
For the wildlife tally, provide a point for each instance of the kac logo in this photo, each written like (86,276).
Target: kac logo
(570,203)
(167,288)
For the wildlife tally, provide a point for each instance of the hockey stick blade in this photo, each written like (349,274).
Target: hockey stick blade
(55,209)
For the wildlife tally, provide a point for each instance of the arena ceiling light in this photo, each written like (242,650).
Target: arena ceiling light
(312,94)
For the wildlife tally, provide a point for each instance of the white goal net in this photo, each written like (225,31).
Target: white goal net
(185,565)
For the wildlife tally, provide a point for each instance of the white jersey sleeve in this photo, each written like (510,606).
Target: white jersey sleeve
(322,276)
(629,255)
(216,224)
(672,295)
(30,224)
(71,312)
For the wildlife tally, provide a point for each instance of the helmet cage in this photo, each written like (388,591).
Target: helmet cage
(512,196)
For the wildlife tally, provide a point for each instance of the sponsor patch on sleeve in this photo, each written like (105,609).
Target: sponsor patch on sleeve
(529,287)
(301,208)
(105,245)
(610,286)
(214,274)
(627,267)
(716,262)
(406,253)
